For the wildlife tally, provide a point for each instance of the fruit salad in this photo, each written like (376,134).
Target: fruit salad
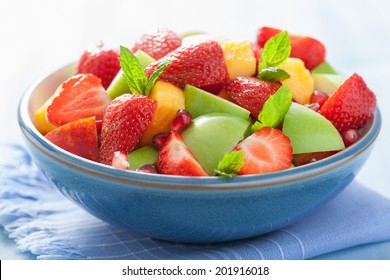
(197,106)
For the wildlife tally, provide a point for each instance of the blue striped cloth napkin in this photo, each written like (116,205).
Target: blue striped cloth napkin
(44,223)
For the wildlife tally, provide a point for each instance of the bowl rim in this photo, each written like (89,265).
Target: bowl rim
(160,181)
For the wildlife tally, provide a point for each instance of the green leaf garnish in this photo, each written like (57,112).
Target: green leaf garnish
(273,74)
(134,73)
(230,164)
(156,73)
(274,109)
(275,52)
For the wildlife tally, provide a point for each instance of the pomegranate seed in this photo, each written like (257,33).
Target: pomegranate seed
(319,97)
(147,168)
(160,139)
(314,106)
(350,136)
(120,161)
(181,121)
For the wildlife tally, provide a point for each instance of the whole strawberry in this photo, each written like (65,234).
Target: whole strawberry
(126,119)
(311,51)
(352,104)
(201,65)
(100,61)
(158,44)
(251,93)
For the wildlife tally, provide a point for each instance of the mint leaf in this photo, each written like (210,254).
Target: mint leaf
(230,164)
(133,71)
(276,50)
(273,74)
(274,109)
(156,73)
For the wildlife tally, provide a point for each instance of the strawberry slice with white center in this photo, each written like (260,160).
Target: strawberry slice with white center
(175,158)
(125,122)
(266,150)
(81,96)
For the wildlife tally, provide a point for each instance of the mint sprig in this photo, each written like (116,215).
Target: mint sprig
(274,109)
(275,52)
(134,73)
(230,164)
(156,73)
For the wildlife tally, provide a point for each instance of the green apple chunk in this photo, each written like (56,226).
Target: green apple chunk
(324,68)
(199,102)
(142,156)
(327,83)
(210,136)
(310,132)
(119,85)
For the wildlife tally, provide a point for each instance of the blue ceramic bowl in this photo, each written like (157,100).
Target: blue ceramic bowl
(189,209)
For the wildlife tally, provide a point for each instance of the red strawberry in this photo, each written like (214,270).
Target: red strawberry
(175,158)
(126,119)
(302,159)
(352,104)
(257,53)
(310,50)
(78,137)
(266,150)
(158,44)
(251,93)
(79,97)
(201,65)
(101,62)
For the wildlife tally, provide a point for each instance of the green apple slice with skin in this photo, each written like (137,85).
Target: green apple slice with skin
(142,156)
(199,102)
(324,68)
(119,85)
(310,132)
(327,83)
(210,136)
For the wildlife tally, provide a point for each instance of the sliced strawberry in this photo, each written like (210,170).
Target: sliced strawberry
(352,104)
(201,65)
(79,97)
(78,137)
(126,120)
(101,62)
(251,93)
(158,44)
(302,159)
(175,158)
(311,51)
(266,150)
